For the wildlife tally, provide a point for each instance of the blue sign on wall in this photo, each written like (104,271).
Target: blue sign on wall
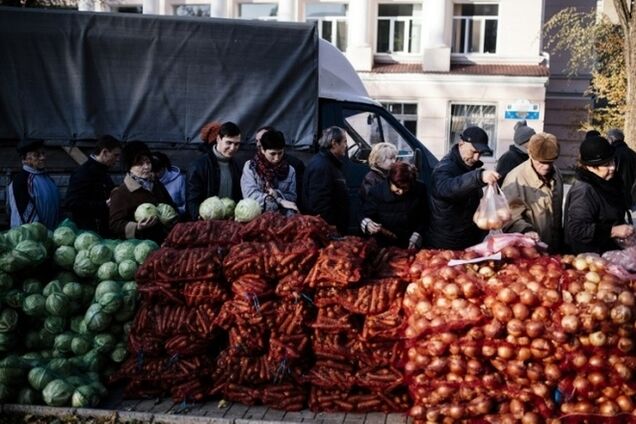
(523,110)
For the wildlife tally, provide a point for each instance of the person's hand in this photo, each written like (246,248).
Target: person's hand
(533,235)
(288,204)
(415,241)
(271,192)
(373,227)
(151,221)
(489,176)
(622,231)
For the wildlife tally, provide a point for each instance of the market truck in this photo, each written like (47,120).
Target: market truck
(68,77)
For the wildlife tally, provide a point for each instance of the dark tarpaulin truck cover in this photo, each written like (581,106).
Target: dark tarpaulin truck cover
(67,75)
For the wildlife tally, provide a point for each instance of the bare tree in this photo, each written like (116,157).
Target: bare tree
(627,19)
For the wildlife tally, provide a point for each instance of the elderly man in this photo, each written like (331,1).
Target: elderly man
(534,191)
(457,183)
(625,163)
(32,195)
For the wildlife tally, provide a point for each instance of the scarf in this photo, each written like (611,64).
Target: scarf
(145,183)
(45,196)
(268,172)
(611,191)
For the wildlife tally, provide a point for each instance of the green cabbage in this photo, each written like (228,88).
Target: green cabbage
(35,231)
(84,397)
(80,345)
(74,324)
(61,366)
(55,325)
(111,302)
(107,271)
(28,396)
(108,286)
(104,343)
(54,286)
(246,210)
(146,210)
(73,290)
(32,359)
(229,206)
(212,208)
(8,320)
(6,282)
(143,249)
(58,304)
(34,251)
(100,254)
(9,262)
(57,393)
(93,361)
(15,236)
(86,240)
(64,236)
(64,256)
(167,213)
(34,305)
(96,319)
(63,343)
(13,370)
(87,295)
(127,269)
(99,387)
(125,250)
(119,353)
(31,286)
(13,298)
(66,277)
(83,265)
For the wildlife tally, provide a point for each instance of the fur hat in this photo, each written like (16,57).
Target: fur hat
(595,151)
(131,153)
(543,147)
(522,133)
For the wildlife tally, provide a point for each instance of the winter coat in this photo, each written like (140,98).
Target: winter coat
(123,203)
(253,187)
(325,190)
(374,177)
(33,196)
(203,179)
(88,189)
(299,170)
(402,215)
(593,206)
(510,160)
(174,182)
(626,169)
(456,191)
(535,206)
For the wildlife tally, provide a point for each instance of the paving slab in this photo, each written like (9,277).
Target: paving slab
(274,415)
(132,416)
(375,418)
(255,412)
(354,418)
(237,410)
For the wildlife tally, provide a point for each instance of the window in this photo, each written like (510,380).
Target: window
(406,113)
(483,116)
(192,10)
(331,20)
(365,129)
(475,28)
(399,28)
(263,11)
(130,9)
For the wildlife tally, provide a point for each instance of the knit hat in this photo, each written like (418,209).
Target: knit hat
(28,145)
(522,133)
(543,147)
(477,137)
(131,153)
(595,151)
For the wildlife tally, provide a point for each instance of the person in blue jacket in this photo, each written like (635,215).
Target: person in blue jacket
(171,178)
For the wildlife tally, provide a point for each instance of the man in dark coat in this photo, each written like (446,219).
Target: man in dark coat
(518,152)
(625,162)
(324,185)
(90,185)
(457,182)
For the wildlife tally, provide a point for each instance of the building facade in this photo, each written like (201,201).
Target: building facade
(437,65)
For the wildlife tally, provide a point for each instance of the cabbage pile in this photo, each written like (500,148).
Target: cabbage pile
(67,301)
(225,208)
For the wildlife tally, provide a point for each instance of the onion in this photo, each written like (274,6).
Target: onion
(541,314)
(507,295)
(621,314)
(600,311)
(552,372)
(598,338)
(608,408)
(540,348)
(528,298)
(515,369)
(570,323)
(534,372)
(488,351)
(625,344)
(625,403)
(626,298)
(583,297)
(457,366)
(523,341)
(580,264)
(606,296)
(534,328)
(590,287)
(515,327)
(417,411)
(520,311)
(597,379)
(596,361)
(516,407)
(493,329)
(470,289)
(474,367)
(623,371)
(551,298)
(593,277)
(583,408)
(448,273)
(481,405)
(540,389)
(486,271)
(451,291)
(501,312)
(531,418)
(505,352)
(523,354)
(511,252)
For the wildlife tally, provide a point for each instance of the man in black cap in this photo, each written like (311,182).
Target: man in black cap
(457,183)
(90,186)
(518,152)
(625,162)
(32,195)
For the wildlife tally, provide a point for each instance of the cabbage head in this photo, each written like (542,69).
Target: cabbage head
(35,231)
(246,210)
(13,298)
(146,210)
(34,305)
(73,290)
(83,265)
(125,250)
(212,208)
(8,320)
(81,345)
(66,277)
(143,249)
(86,240)
(104,343)
(58,304)
(119,353)
(33,250)
(39,377)
(108,286)
(54,286)
(61,366)
(55,324)
(10,263)
(74,324)
(93,361)
(63,343)
(31,286)
(64,236)
(127,269)
(6,281)
(229,205)
(167,213)
(85,397)
(111,302)
(57,393)
(64,256)
(99,387)
(107,271)
(96,319)
(28,396)
(100,254)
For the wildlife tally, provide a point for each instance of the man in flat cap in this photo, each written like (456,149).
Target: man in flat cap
(32,195)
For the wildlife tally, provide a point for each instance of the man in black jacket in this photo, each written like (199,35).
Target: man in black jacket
(518,152)
(625,162)
(324,185)
(457,182)
(90,186)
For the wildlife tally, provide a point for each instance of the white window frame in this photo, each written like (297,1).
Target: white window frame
(407,31)
(260,18)
(176,5)
(481,20)
(334,25)
(492,140)
(401,116)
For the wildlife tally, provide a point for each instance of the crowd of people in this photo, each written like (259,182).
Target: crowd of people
(396,208)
